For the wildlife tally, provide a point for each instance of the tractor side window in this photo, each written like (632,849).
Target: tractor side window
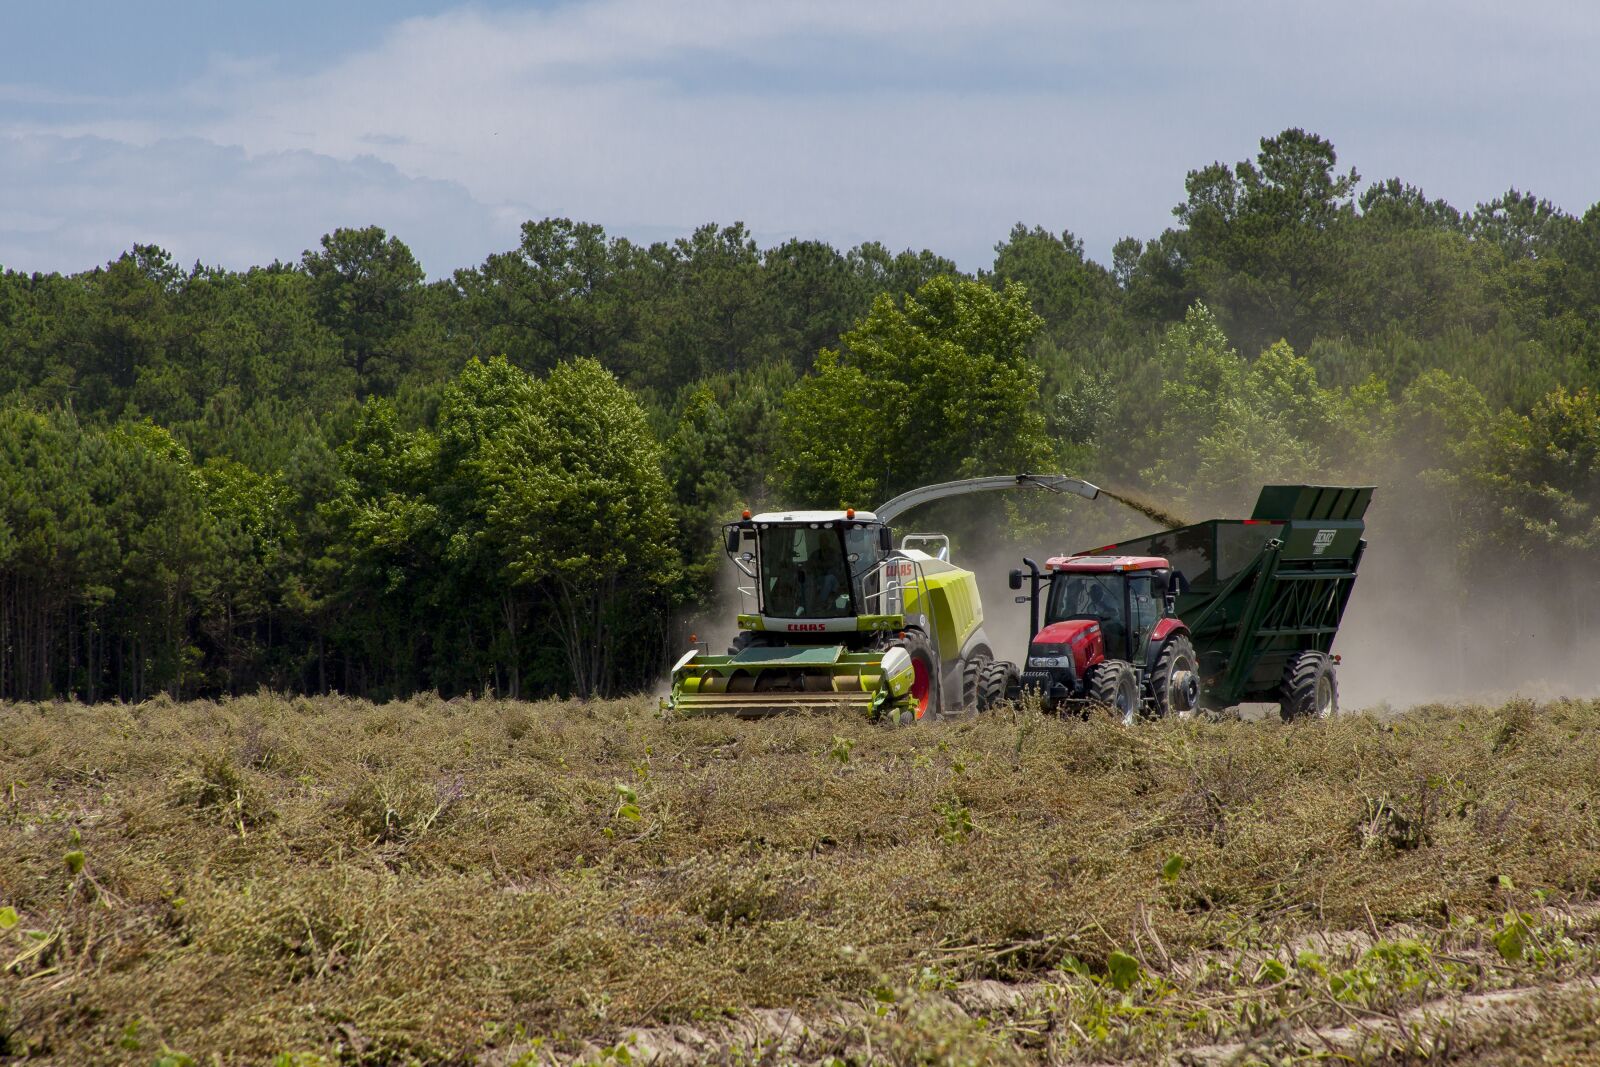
(1146,611)
(804,574)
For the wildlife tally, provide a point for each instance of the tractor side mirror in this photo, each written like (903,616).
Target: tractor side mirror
(731,539)
(885,539)
(1016,579)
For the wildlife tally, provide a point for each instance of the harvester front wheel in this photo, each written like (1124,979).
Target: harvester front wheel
(1175,683)
(1310,688)
(994,682)
(1113,683)
(921,704)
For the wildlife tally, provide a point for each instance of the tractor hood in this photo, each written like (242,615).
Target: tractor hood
(1063,633)
(1081,640)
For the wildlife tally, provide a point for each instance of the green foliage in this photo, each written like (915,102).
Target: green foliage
(1123,971)
(938,388)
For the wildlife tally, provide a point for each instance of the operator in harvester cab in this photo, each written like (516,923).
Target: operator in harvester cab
(818,576)
(807,585)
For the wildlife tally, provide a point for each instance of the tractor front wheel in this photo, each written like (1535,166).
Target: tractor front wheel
(922,703)
(1113,683)
(1175,683)
(995,681)
(1310,688)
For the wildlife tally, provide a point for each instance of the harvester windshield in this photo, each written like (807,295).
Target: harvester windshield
(816,570)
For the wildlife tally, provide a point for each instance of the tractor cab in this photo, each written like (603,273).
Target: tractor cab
(1098,611)
(1126,595)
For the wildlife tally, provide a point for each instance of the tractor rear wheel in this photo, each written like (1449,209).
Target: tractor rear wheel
(994,682)
(1112,682)
(1310,688)
(922,703)
(1175,683)
(971,679)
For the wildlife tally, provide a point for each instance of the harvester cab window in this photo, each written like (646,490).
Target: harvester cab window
(804,574)
(863,553)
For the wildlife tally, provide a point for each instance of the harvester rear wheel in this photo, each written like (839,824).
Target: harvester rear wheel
(922,703)
(994,682)
(1113,683)
(1310,688)
(971,679)
(1175,683)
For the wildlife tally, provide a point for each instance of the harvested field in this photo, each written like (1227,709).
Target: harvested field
(303,881)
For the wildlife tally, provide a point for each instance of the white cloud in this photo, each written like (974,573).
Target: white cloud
(74,202)
(907,121)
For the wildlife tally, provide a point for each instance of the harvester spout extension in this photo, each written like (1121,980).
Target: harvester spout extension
(1055,483)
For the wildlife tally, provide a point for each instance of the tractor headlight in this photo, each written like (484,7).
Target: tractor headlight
(1049,661)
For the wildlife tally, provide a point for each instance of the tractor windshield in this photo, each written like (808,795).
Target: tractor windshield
(1092,596)
(1085,596)
(804,573)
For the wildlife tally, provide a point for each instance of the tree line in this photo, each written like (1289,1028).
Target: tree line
(334,474)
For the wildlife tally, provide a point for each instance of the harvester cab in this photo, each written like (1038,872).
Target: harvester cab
(1204,616)
(835,614)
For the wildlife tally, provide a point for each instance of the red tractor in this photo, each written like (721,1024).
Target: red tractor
(1110,636)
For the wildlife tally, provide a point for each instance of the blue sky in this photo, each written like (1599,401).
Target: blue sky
(239,133)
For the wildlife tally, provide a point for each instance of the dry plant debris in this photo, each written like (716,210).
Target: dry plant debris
(327,881)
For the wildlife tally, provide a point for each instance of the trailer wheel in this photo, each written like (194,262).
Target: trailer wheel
(1175,683)
(1310,688)
(1113,683)
(995,682)
(922,703)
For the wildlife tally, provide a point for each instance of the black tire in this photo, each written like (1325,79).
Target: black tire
(1175,682)
(1113,683)
(747,639)
(1310,688)
(924,694)
(995,682)
(971,674)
